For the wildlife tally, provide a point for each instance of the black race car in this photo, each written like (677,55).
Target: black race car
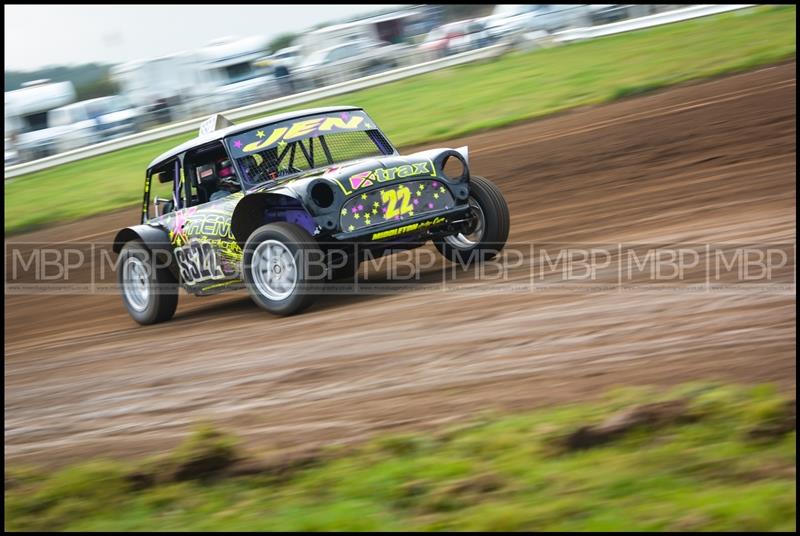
(282,204)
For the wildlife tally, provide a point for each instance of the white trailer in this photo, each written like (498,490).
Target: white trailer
(232,72)
(163,87)
(221,75)
(27,130)
(388,28)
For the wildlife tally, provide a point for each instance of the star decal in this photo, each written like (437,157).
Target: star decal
(375,204)
(363,196)
(281,145)
(374,210)
(442,189)
(260,134)
(344,212)
(436,196)
(350,228)
(357,216)
(238,144)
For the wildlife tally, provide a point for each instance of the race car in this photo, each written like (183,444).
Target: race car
(284,204)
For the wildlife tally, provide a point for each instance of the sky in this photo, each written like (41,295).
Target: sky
(43,35)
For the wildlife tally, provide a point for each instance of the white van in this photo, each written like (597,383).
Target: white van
(231,73)
(93,121)
(27,128)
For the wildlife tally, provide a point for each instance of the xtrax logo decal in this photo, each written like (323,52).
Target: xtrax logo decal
(367,178)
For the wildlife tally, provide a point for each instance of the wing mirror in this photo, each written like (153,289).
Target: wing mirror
(167,204)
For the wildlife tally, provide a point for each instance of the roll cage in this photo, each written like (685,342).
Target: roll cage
(295,144)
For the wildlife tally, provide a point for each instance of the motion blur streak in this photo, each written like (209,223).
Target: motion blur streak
(708,162)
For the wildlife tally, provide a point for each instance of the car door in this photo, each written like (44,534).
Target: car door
(206,251)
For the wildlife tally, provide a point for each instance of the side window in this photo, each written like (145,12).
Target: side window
(211,174)
(164,198)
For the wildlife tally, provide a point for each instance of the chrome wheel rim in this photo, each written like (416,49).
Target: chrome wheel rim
(274,270)
(136,284)
(462,241)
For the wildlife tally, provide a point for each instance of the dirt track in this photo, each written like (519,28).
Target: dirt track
(713,162)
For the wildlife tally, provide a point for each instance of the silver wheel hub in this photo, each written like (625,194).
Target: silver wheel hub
(472,239)
(135,283)
(274,270)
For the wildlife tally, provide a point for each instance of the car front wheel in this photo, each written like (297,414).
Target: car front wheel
(487,229)
(282,267)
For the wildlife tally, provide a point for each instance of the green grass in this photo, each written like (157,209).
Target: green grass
(707,471)
(459,100)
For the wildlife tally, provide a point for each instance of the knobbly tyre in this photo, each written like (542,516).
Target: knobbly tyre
(282,204)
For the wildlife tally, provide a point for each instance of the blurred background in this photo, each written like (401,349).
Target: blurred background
(109,85)
(531,400)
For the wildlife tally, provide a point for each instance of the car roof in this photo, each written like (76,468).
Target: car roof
(242,127)
(86,102)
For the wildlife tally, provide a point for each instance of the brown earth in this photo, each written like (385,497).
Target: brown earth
(705,163)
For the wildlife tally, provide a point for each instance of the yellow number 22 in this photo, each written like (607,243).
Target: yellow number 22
(390,199)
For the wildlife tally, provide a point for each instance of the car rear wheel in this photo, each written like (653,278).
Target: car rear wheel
(282,267)
(149,291)
(487,230)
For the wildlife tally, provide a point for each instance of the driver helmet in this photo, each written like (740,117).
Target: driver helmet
(258,167)
(226,178)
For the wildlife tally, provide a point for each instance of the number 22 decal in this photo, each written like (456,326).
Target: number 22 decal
(198,262)
(390,199)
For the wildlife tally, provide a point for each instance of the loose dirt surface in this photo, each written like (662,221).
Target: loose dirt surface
(707,163)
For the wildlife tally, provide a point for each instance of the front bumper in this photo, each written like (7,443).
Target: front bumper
(444,222)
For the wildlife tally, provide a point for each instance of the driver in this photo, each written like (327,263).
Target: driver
(262,166)
(227,183)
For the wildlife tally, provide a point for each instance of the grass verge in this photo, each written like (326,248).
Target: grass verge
(700,457)
(459,100)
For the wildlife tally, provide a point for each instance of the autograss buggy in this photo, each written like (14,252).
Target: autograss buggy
(281,204)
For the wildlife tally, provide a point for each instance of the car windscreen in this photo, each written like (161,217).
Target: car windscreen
(281,149)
